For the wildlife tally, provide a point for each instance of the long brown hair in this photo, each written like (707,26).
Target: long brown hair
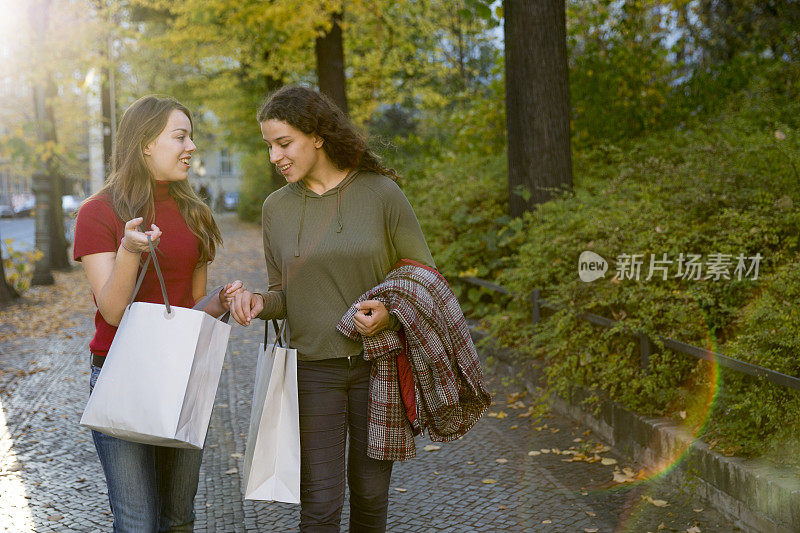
(313,113)
(130,183)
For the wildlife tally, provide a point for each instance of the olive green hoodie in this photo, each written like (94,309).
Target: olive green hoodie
(324,251)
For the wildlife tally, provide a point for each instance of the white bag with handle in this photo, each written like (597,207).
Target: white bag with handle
(160,376)
(272,458)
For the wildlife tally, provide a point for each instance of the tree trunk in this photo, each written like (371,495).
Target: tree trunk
(537,102)
(105,103)
(59,258)
(330,64)
(49,216)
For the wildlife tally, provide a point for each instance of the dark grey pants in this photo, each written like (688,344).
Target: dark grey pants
(333,396)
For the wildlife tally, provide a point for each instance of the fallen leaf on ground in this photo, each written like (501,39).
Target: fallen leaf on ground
(534,453)
(516,405)
(545,450)
(431,448)
(577,440)
(662,526)
(513,427)
(489,481)
(470,462)
(547,521)
(232,471)
(608,461)
(590,530)
(401,490)
(492,414)
(555,451)
(693,529)
(591,513)
(236,455)
(501,461)
(697,510)
(514,396)
(501,507)
(626,476)
(657,503)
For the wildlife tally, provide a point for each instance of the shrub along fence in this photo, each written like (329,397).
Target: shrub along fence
(754,495)
(645,341)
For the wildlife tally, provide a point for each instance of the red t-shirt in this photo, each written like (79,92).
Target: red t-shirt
(99,229)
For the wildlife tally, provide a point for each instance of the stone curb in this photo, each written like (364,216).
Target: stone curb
(757,497)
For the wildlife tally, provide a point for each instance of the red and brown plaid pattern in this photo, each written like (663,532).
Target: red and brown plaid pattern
(451,395)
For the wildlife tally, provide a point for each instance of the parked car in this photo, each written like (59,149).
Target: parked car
(25,209)
(230,201)
(70,204)
(6,211)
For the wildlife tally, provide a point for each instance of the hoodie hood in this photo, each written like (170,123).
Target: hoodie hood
(299,188)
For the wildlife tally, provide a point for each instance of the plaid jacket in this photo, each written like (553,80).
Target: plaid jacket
(450,392)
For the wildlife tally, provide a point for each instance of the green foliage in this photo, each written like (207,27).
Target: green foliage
(18,266)
(256,186)
(620,76)
(728,186)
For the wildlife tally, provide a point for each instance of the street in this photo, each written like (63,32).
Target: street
(22,232)
(511,472)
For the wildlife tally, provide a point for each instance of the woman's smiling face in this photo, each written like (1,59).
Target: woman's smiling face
(168,155)
(294,153)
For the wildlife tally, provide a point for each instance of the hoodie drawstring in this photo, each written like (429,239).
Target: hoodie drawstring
(339,209)
(300,230)
(339,222)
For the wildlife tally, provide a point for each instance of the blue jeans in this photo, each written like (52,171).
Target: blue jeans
(150,488)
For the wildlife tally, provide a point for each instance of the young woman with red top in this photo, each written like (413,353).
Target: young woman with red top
(150,488)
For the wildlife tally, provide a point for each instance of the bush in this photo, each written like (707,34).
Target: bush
(18,266)
(257,184)
(730,187)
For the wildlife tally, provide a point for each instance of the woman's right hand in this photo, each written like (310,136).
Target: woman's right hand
(135,240)
(245,306)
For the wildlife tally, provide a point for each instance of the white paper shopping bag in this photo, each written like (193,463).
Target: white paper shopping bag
(160,376)
(272,458)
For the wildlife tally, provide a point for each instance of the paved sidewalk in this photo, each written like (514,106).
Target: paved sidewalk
(51,480)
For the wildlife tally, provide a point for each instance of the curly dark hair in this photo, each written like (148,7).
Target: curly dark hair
(313,113)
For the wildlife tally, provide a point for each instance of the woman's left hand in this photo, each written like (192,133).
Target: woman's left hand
(228,292)
(371,317)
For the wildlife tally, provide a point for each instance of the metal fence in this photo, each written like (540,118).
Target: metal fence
(645,342)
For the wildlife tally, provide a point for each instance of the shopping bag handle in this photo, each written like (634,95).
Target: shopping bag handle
(203,303)
(158,272)
(279,340)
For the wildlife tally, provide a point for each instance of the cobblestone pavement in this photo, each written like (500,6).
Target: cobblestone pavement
(51,480)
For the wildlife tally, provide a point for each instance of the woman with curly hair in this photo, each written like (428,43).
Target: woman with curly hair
(331,234)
